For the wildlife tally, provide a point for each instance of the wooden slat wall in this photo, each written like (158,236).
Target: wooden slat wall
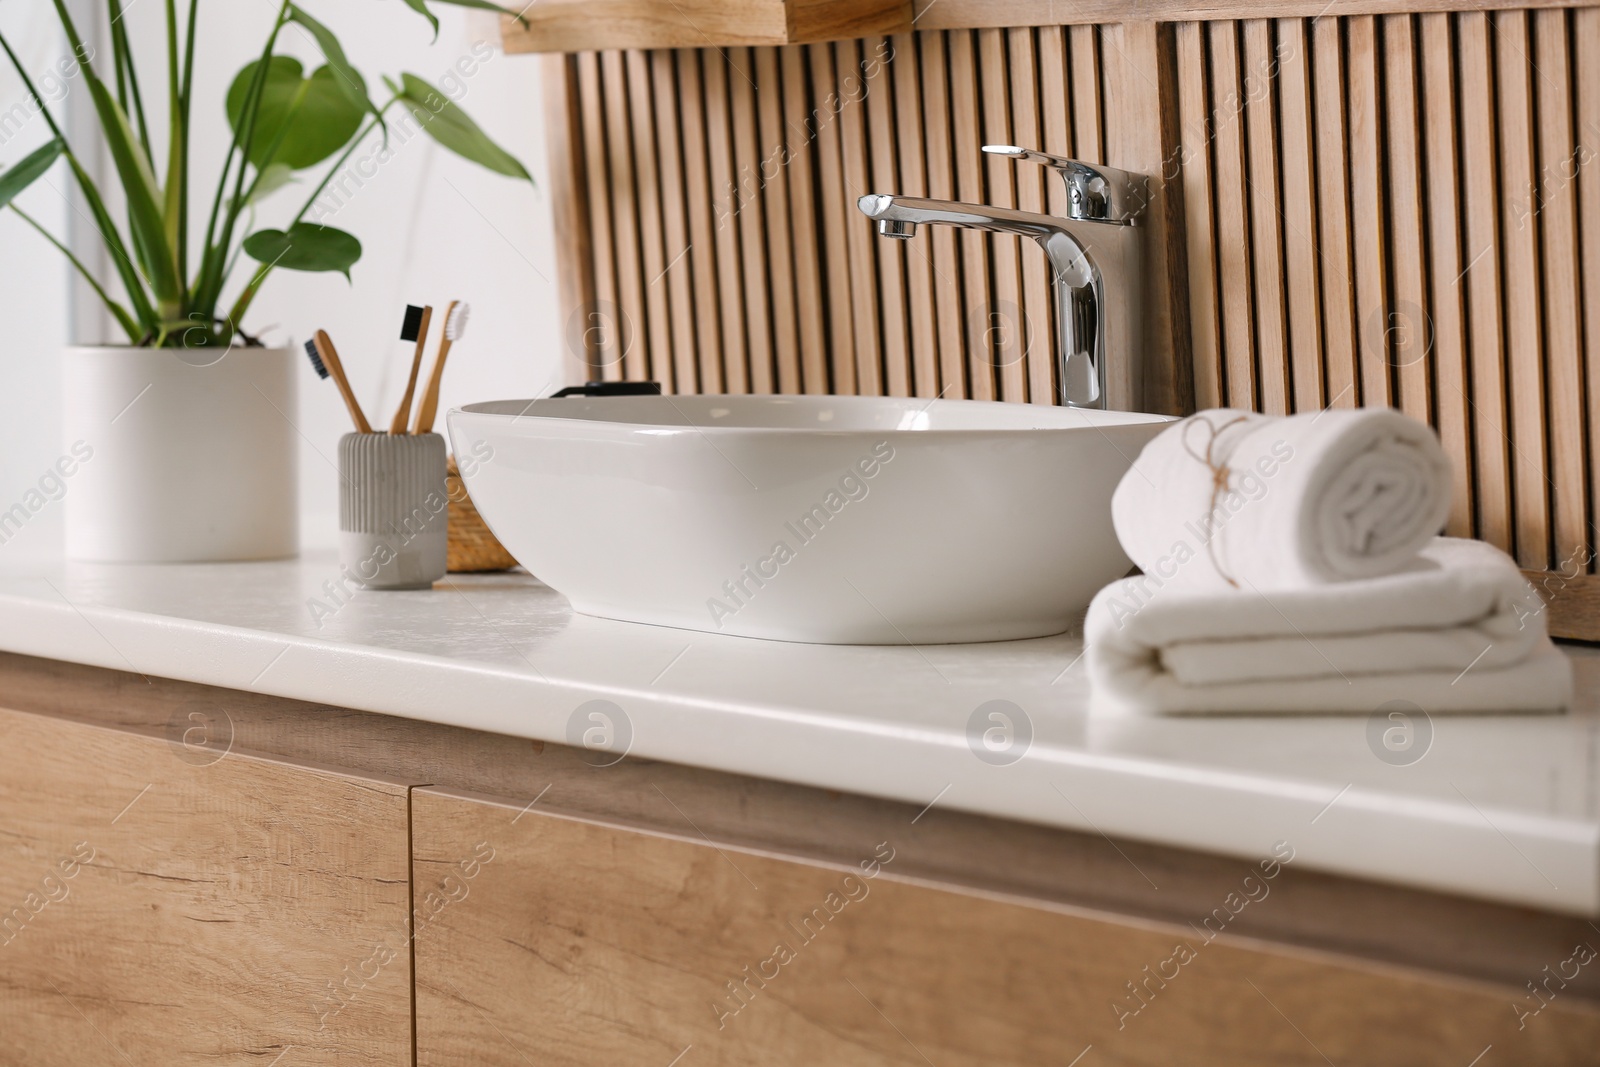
(1435,172)
(728,253)
(1365,208)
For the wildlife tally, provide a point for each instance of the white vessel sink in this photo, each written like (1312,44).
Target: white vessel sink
(842,520)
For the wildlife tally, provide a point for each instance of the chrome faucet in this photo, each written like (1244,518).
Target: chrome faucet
(1094,249)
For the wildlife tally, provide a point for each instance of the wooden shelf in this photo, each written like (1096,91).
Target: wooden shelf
(600,25)
(595,25)
(999,14)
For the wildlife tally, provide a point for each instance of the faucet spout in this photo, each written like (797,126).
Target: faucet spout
(1076,269)
(914,211)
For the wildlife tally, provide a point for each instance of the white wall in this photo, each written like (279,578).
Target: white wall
(33,283)
(434,228)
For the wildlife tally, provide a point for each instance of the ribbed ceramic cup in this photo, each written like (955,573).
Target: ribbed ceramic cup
(393,509)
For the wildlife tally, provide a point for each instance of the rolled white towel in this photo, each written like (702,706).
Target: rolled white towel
(1458,629)
(1231,498)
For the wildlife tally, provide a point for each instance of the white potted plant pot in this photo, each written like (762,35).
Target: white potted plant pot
(182,455)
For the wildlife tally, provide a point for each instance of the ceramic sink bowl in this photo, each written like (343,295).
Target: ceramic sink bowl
(841,520)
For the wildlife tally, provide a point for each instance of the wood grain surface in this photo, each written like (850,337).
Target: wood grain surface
(1383,925)
(164,900)
(582,942)
(591,25)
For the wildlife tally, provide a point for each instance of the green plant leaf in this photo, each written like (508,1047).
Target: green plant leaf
(301,121)
(121,262)
(284,78)
(29,170)
(306,247)
(326,120)
(275,177)
(422,9)
(484,5)
(451,127)
(270,180)
(348,80)
(145,218)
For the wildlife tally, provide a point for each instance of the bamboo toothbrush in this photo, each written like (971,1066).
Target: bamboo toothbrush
(415,329)
(455,325)
(325,361)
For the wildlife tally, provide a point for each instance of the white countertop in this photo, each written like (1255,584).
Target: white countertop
(1506,808)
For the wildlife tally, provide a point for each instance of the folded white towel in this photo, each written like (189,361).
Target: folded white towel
(1279,503)
(1458,629)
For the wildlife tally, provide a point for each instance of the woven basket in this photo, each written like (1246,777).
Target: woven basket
(472,547)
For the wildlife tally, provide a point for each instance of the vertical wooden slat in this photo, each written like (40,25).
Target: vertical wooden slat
(569,198)
(1368,212)
(698,194)
(860,234)
(1055,105)
(1088,132)
(749,219)
(801,139)
(920,300)
(835,206)
(648,174)
(964,109)
(1301,269)
(1445,262)
(602,328)
(1143,137)
(1036,339)
(678,276)
(776,211)
(945,255)
(1556,208)
(1233,227)
(1409,324)
(1336,260)
(1194,102)
(891,254)
(1524,328)
(625,215)
(1586,35)
(1007,315)
(1266,236)
(1481,277)
(719,149)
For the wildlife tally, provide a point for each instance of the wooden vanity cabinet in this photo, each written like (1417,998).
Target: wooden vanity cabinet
(164,901)
(185,881)
(568,941)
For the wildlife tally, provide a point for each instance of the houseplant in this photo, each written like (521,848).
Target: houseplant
(188,417)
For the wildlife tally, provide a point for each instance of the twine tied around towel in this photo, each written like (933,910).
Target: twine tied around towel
(1221,480)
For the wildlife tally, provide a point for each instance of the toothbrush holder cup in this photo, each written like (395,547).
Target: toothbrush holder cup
(393,509)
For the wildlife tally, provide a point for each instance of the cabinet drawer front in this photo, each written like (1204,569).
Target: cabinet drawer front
(555,940)
(166,901)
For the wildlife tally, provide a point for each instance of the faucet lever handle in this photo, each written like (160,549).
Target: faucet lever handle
(1094,193)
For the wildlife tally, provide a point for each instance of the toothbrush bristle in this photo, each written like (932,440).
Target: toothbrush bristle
(413,324)
(456,326)
(316,360)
